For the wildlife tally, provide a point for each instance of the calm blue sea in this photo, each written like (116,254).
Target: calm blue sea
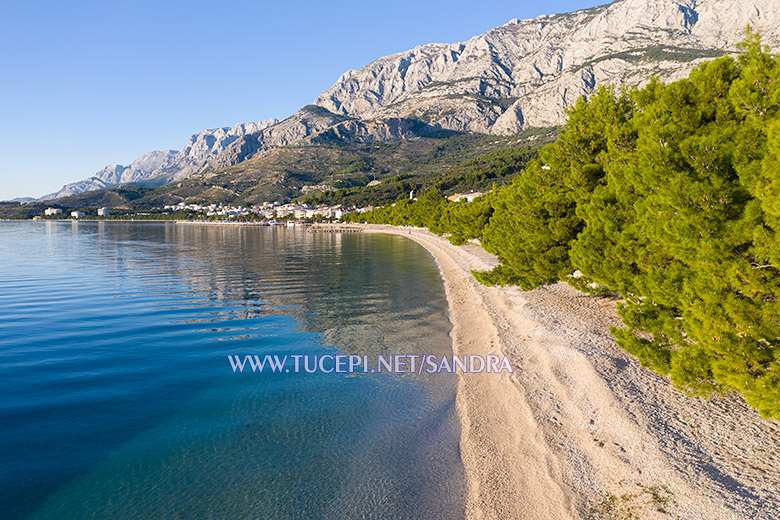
(117,399)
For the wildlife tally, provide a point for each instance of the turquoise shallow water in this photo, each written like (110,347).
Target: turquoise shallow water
(117,399)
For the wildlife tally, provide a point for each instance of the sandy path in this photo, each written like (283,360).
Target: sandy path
(581,430)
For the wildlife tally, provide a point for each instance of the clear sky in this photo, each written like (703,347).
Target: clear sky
(85,84)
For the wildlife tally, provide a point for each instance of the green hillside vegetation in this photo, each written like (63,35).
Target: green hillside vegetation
(668,196)
(477,174)
(655,53)
(304,172)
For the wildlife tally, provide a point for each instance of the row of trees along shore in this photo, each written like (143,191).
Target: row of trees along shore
(668,196)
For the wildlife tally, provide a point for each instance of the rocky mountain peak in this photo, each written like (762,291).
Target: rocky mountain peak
(160,167)
(525,73)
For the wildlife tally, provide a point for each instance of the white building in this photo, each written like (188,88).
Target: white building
(77,214)
(52,211)
(103,212)
(468,196)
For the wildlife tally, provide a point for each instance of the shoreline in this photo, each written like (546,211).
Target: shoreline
(580,429)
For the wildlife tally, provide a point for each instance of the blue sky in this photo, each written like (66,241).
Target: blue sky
(85,84)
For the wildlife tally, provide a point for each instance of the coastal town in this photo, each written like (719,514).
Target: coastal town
(267,213)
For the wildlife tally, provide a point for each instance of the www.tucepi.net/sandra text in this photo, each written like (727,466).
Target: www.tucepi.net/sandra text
(350,364)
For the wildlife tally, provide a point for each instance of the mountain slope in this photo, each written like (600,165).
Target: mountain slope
(525,73)
(160,167)
(115,174)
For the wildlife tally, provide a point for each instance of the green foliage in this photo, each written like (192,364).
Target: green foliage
(454,165)
(497,167)
(463,220)
(424,212)
(685,229)
(656,53)
(535,217)
(356,164)
(669,196)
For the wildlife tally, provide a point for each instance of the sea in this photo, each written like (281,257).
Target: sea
(118,398)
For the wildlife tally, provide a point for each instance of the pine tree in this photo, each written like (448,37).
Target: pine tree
(534,219)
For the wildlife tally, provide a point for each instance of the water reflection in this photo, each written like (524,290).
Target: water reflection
(149,419)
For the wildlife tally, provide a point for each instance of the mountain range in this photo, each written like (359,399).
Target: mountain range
(161,167)
(515,77)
